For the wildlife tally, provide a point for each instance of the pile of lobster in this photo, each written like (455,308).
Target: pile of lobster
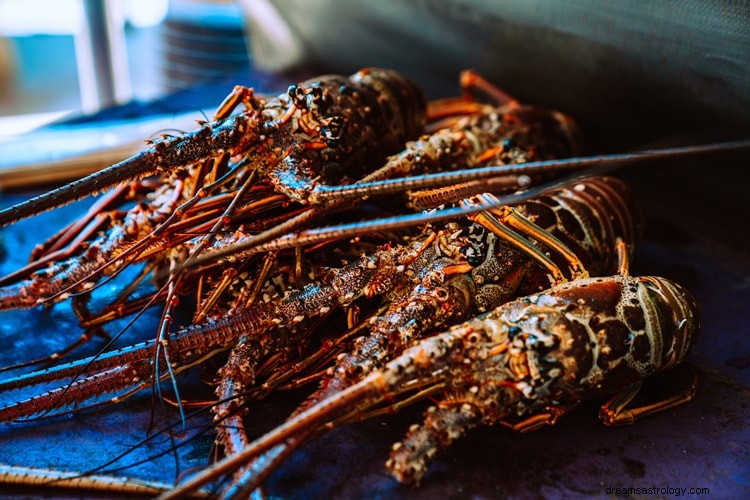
(349,237)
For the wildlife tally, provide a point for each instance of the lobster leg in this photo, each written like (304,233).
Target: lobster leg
(617,412)
(519,222)
(509,218)
(107,202)
(487,220)
(471,81)
(236,376)
(55,282)
(370,275)
(442,112)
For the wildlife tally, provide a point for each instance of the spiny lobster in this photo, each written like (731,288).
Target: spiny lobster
(530,360)
(438,277)
(319,131)
(438,286)
(136,367)
(149,229)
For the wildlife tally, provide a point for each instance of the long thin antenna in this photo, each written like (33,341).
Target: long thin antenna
(340,231)
(322,193)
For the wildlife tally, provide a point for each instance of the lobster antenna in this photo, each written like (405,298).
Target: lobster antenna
(322,193)
(251,246)
(316,415)
(162,156)
(486,175)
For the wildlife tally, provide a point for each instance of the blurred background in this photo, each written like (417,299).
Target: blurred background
(65,57)
(683,63)
(116,71)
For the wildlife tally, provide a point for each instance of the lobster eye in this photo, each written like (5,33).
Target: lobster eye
(332,130)
(678,315)
(296,94)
